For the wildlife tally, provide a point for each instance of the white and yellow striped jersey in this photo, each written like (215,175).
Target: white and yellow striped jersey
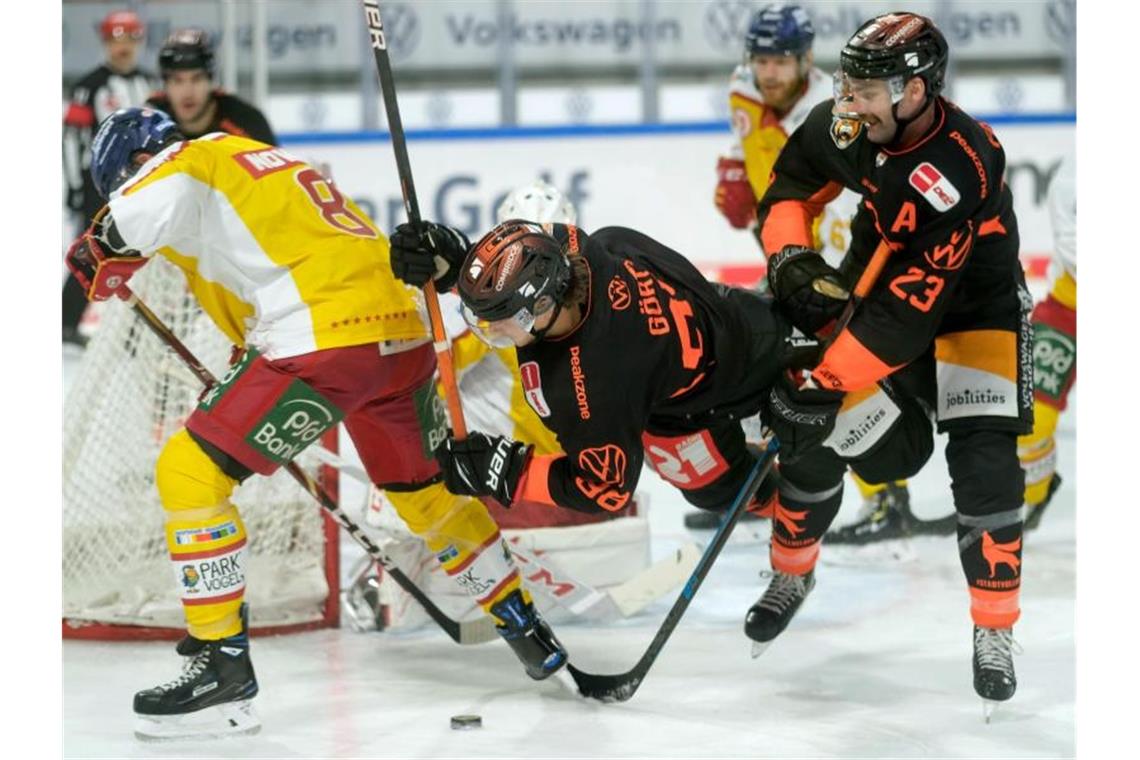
(274,253)
(760,135)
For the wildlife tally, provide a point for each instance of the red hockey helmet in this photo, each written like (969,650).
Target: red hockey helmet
(119,24)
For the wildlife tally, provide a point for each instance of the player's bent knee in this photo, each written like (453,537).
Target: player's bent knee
(904,452)
(187,478)
(433,512)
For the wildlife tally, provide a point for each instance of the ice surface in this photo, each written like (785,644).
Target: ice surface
(876,664)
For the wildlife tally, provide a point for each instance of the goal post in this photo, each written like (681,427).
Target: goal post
(130,394)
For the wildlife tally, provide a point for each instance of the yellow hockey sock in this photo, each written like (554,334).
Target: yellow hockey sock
(205,537)
(464,538)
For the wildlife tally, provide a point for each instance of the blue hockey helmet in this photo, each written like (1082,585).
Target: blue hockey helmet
(123,134)
(779,29)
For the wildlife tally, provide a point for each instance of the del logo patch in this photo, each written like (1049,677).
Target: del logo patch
(935,188)
(532,388)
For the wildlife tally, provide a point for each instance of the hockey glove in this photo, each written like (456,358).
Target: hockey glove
(810,291)
(482,465)
(101,261)
(800,418)
(734,196)
(427,251)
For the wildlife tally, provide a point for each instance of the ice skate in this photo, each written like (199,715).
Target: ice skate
(529,636)
(887,516)
(994,678)
(211,698)
(776,607)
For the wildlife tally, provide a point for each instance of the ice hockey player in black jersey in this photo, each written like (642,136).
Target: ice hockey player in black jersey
(186,63)
(944,331)
(625,351)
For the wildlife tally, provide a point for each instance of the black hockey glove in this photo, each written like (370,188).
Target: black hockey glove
(800,418)
(428,251)
(810,291)
(482,465)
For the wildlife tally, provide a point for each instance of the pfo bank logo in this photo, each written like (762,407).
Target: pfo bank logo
(726,22)
(402,29)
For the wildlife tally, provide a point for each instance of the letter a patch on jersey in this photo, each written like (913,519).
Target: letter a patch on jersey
(532,388)
(934,187)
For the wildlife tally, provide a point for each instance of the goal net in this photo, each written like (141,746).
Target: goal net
(131,393)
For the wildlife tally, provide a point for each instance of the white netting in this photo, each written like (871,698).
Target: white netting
(130,395)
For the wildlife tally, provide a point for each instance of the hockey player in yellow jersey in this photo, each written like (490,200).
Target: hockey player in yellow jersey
(299,279)
(770,94)
(1054,349)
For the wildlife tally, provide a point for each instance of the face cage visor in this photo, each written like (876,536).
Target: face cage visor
(524,319)
(845,88)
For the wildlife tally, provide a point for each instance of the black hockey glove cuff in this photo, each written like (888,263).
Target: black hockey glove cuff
(482,465)
(811,292)
(801,419)
(427,251)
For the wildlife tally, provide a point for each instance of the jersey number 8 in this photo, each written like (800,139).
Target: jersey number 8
(331,204)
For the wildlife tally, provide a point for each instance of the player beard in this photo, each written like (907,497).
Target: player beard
(779,95)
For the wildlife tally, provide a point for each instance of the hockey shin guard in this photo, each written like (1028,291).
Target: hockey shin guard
(205,537)
(464,538)
(987,481)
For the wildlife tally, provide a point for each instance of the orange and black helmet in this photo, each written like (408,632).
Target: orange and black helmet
(897,45)
(516,266)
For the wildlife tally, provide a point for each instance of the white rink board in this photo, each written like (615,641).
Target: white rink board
(658,182)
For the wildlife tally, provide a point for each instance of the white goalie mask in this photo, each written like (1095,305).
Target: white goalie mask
(539,202)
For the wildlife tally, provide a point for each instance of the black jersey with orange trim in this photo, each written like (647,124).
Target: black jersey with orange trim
(233,115)
(100,92)
(942,206)
(657,342)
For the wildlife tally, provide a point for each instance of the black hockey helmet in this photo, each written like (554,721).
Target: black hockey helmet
(897,44)
(517,270)
(186,50)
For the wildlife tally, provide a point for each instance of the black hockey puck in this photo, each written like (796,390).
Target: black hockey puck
(465,722)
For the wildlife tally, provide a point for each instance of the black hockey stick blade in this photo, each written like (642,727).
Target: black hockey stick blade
(622,686)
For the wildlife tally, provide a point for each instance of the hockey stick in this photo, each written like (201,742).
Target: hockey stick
(472,632)
(622,686)
(412,208)
(870,274)
(562,588)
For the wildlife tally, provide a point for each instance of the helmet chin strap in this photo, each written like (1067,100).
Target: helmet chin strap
(901,124)
(540,334)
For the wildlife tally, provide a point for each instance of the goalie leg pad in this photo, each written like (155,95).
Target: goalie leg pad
(465,540)
(204,535)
